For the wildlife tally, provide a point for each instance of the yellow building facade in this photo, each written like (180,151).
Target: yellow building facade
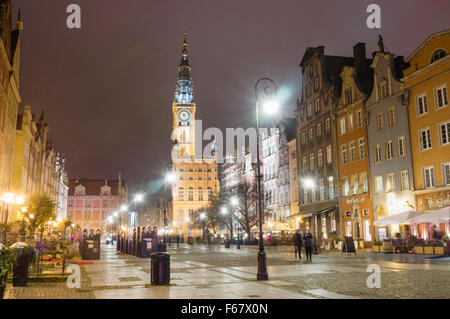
(196,176)
(427,80)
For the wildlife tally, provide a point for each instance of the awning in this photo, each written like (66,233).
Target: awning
(400,218)
(436,216)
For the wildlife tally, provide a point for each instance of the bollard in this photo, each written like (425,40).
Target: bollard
(160,268)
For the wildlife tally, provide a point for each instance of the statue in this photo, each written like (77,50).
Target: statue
(380,43)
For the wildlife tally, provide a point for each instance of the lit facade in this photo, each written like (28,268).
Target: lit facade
(197,176)
(389,145)
(91,202)
(316,138)
(356,203)
(427,80)
(10,41)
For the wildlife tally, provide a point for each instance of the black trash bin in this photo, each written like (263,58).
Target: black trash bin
(227,243)
(160,272)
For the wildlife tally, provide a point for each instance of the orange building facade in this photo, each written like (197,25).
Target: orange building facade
(356,204)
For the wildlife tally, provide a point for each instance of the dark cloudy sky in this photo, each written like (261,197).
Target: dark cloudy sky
(107,88)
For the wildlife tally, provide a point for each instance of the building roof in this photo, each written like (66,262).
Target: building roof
(290,127)
(426,43)
(93,186)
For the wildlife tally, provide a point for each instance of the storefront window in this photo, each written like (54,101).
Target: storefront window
(367,234)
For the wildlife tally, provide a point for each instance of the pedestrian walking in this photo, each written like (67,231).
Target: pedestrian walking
(307,238)
(298,243)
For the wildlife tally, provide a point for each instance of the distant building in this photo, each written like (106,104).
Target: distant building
(92,201)
(37,168)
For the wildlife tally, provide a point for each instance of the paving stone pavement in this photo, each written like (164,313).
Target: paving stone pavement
(203,271)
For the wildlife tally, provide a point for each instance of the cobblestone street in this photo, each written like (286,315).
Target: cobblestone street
(215,272)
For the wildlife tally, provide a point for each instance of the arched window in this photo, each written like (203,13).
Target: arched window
(438,54)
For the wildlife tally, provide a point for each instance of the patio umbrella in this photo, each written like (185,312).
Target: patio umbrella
(400,218)
(436,216)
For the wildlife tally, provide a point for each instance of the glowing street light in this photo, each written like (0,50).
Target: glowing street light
(123,208)
(234,201)
(171,177)
(271,106)
(224,211)
(309,183)
(202,216)
(138,197)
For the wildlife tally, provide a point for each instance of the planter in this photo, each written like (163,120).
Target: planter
(387,247)
(428,250)
(376,249)
(361,244)
(438,250)
(20,269)
(3,284)
(355,242)
(327,246)
(418,249)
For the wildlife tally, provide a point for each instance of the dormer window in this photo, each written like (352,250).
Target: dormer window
(348,96)
(106,191)
(383,90)
(80,190)
(438,54)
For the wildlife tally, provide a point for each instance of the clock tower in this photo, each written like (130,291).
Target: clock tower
(183,108)
(196,177)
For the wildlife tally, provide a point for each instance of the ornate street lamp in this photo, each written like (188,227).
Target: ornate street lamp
(270,106)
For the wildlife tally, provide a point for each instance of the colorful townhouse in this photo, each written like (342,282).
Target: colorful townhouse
(356,204)
(427,80)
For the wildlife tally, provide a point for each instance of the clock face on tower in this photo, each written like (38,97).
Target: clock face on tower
(184,115)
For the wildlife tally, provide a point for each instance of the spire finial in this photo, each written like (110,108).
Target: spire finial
(184,43)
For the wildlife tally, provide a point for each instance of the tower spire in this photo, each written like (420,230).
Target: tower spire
(184,90)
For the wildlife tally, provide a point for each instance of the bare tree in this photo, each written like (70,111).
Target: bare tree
(246,209)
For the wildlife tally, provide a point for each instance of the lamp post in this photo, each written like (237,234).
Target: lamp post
(270,106)
(169,177)
(235,203)
(225,213)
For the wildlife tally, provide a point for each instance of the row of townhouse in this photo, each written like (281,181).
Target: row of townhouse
(28,163)
(372,139)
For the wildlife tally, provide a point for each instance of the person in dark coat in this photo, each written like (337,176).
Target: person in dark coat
(298,244)
(307,238)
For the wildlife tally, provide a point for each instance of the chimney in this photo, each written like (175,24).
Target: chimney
(359,55)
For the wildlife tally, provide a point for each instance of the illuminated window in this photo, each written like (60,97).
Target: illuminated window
(343,128)
(181,194)
(446,173)
(319,158)
(330,187)
(350,122)
(390,183)
(346,186)
(200,194)
(329,155)
(367,233)
(191,194)
(352,151)
(404,180)
(378,185)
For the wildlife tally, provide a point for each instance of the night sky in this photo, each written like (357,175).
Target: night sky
(107,88)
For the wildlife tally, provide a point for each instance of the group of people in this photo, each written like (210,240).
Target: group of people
(305,241)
